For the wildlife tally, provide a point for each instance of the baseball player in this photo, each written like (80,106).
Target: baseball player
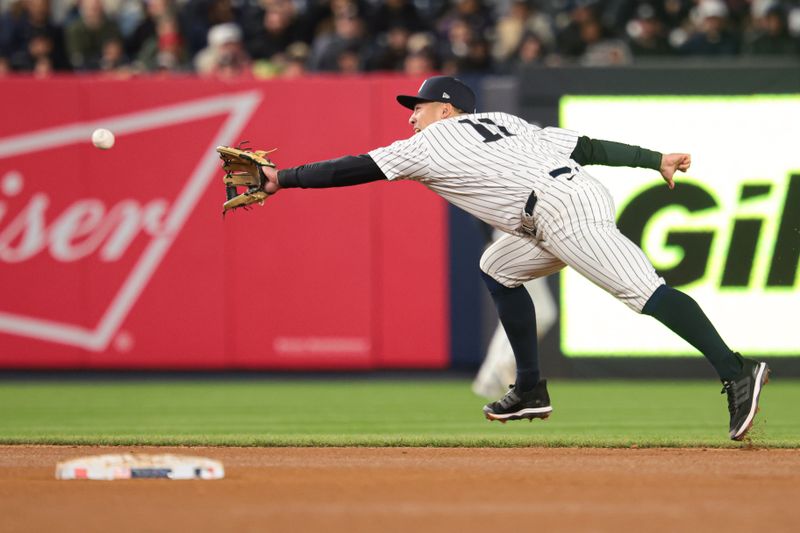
(530,183)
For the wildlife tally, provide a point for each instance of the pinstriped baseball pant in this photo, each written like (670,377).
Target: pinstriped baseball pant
(575,226)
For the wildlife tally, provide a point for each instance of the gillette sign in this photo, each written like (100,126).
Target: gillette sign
(728,234)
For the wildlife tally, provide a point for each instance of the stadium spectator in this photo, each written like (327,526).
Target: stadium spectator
(7,19)
(93,40)
(422,57)
(30,41)
(474,13)
(197,17)
(295,60)
(225,55)
(348,61)
(712,35)
(390,51)
(279,27)
(771,36)
(521,20)
(455,47)
(128,14)
(569,41)
(478,59)
(113,57)
(377,35)
(601,47)
(419,63)
(347,39)
(164,50)
(647,36)
(319,16)
(145,28)
(675,13)
(395,13)
(531,51)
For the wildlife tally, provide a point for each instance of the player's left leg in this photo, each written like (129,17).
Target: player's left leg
(597,249)
(681,313)
(601,253)
(742,379)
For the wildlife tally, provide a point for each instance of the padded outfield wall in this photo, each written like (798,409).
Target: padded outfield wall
(120,259)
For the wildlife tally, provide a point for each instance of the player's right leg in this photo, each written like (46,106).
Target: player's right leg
(505,266)
(499,367)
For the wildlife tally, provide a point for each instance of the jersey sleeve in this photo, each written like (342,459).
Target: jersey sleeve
(404,159)
(613,154)
(564,141)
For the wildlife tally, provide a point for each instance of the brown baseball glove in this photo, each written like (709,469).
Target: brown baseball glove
(243,169)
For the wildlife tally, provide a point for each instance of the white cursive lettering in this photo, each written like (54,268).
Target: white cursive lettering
(83,228)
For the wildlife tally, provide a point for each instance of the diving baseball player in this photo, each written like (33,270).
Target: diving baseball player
(530,183)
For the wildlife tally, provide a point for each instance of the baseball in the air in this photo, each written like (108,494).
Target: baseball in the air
(102,138)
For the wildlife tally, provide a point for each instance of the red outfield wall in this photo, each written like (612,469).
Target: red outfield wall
(120,258)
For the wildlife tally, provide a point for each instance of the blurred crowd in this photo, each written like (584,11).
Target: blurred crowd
(285,38)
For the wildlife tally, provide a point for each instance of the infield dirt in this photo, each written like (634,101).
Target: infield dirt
(415,490)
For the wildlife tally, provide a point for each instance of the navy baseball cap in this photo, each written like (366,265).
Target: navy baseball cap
(445,89)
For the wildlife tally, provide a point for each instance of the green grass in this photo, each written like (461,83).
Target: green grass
(294,412)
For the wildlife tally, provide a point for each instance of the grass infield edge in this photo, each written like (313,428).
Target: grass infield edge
(392,442)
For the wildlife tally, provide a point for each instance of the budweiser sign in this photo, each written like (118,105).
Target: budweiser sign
(89,228)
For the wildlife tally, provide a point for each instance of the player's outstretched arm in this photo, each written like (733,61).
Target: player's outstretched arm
(671,163)
(341,172)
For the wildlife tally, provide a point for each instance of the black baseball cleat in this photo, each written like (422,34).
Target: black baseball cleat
(516,405)
(743,392)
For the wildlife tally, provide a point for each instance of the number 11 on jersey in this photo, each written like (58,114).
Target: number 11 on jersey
(486,133)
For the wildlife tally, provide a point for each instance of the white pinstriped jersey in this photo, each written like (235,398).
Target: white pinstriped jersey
(484,163)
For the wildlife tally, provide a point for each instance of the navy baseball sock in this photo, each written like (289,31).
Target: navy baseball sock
(518,316)
(680,313)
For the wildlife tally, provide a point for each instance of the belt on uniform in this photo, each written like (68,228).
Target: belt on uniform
(532,199)
(561,170)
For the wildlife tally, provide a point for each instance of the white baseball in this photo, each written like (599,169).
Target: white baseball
(102,138)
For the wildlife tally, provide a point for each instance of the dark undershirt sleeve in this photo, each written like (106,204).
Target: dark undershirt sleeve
(613,154)
(341,172)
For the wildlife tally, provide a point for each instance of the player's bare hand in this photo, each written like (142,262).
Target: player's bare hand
(272,185)
(671,163)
